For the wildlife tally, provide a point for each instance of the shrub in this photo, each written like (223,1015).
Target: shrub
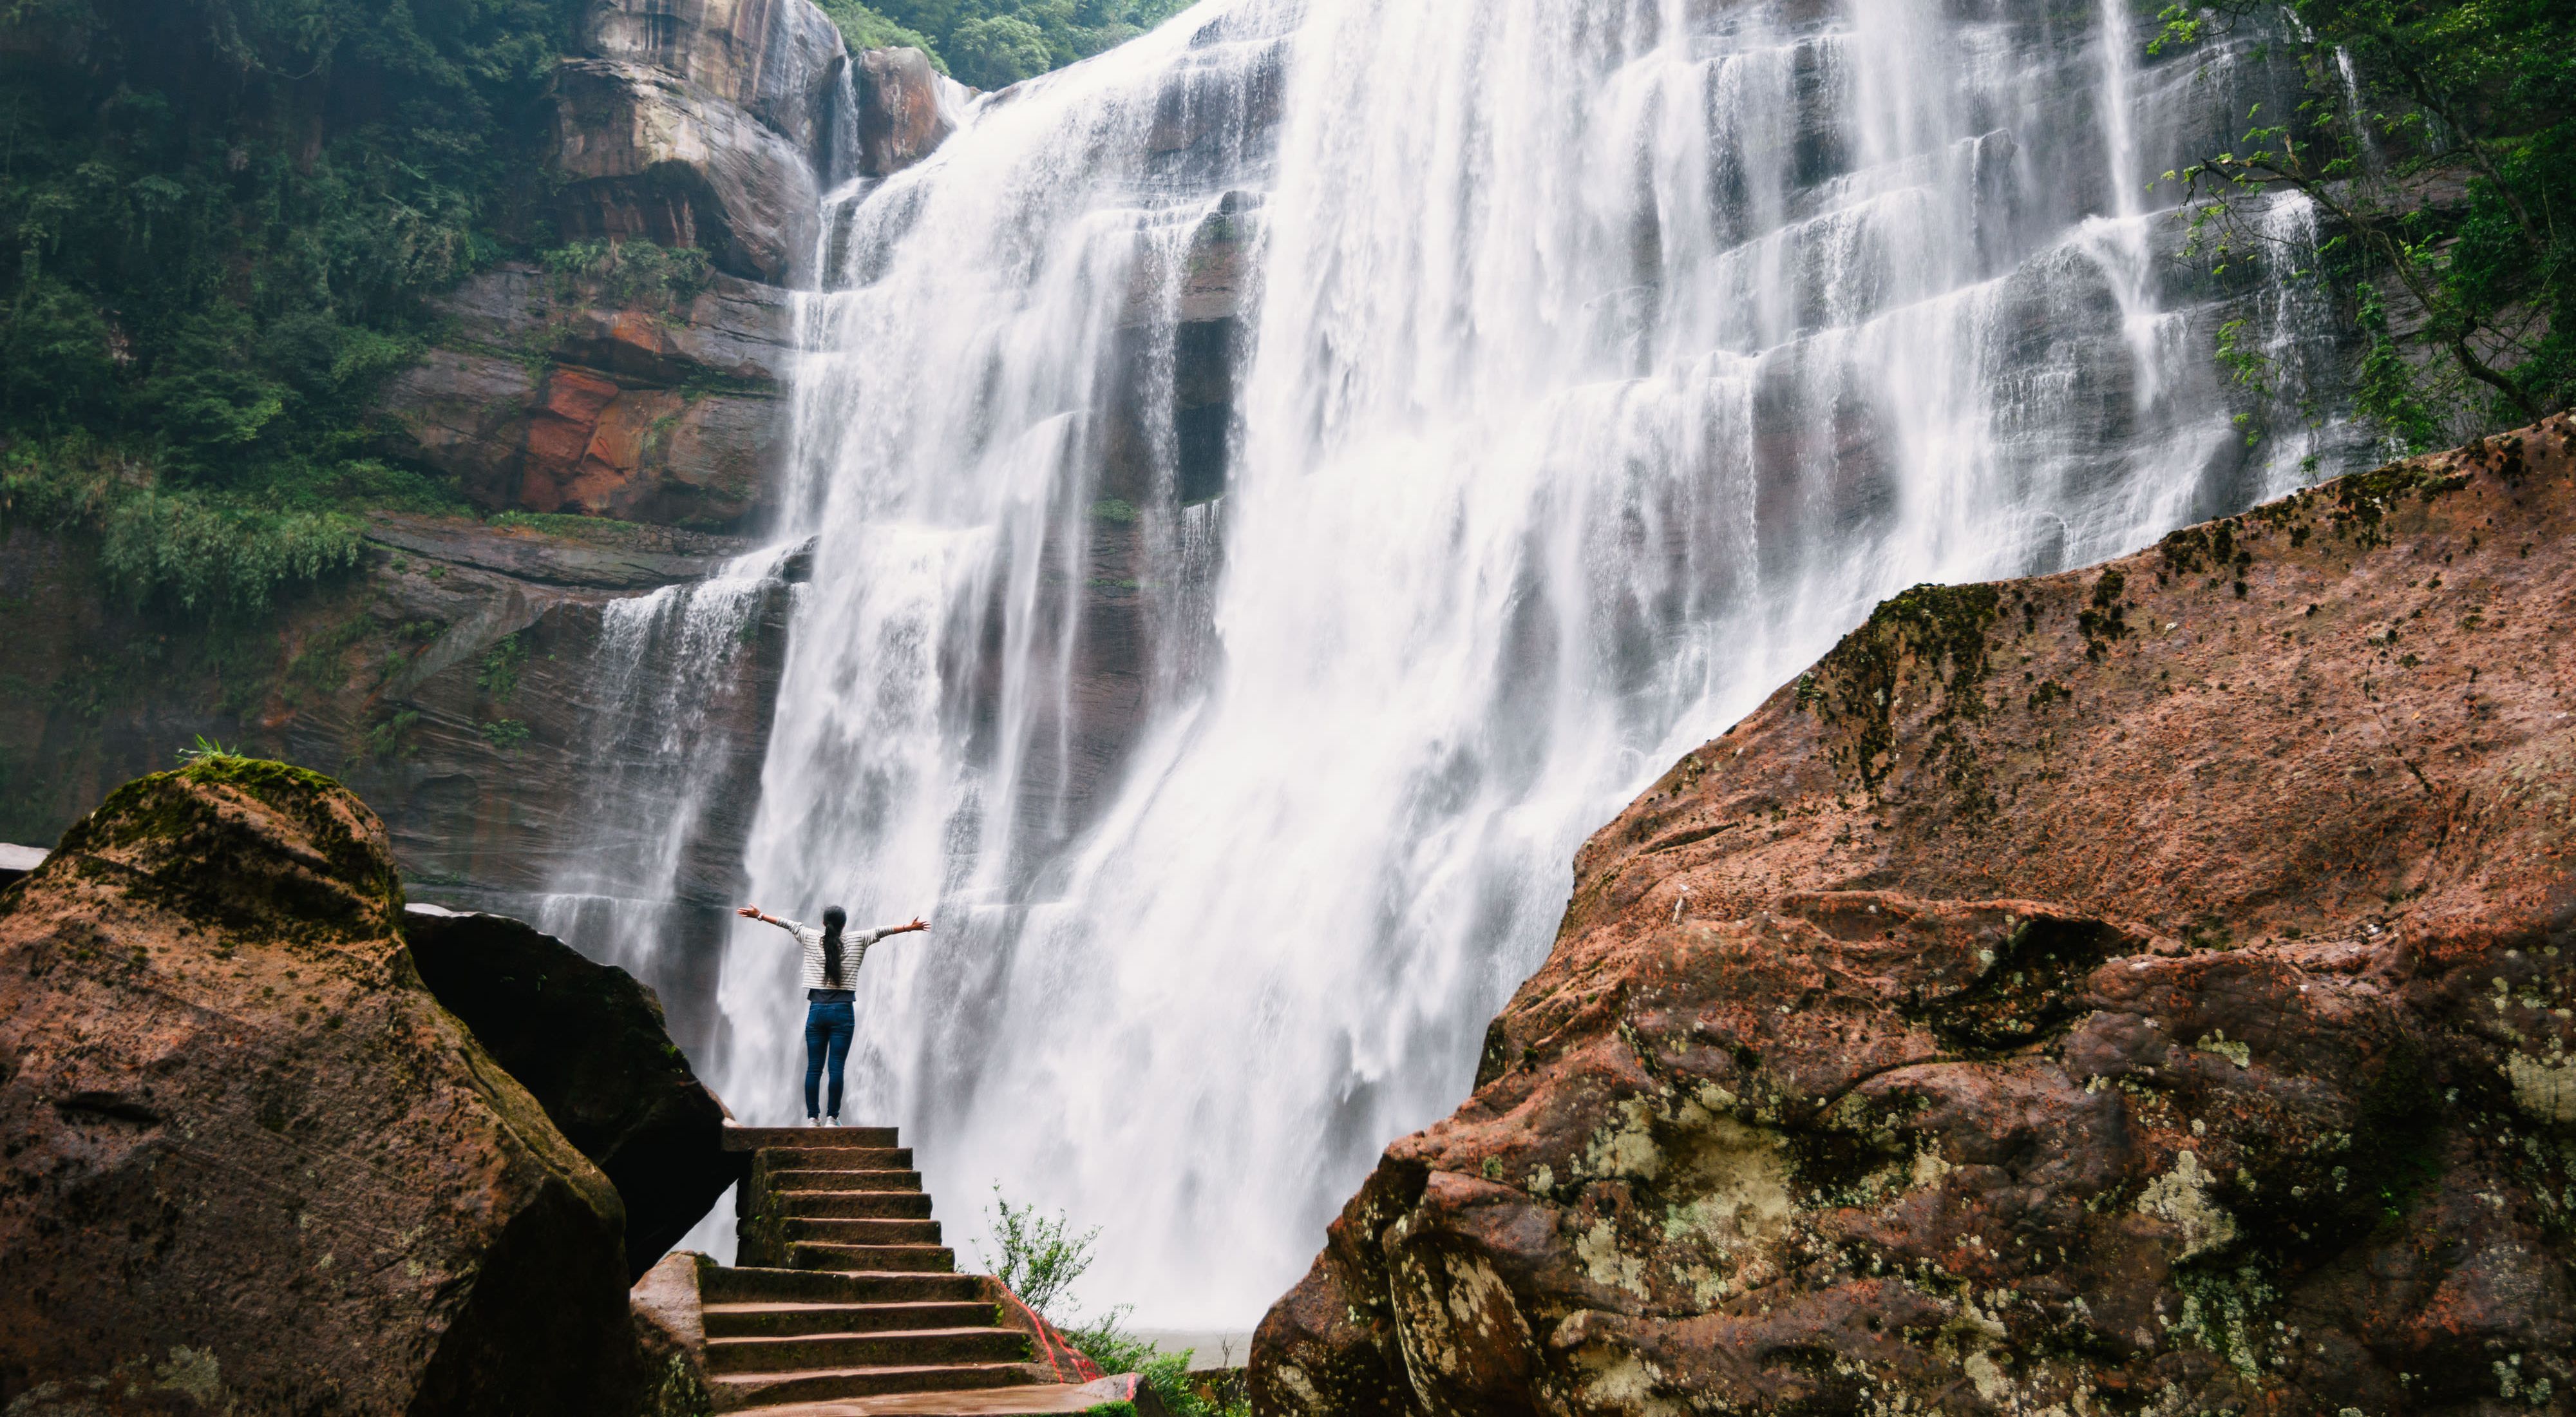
(1040,1260)
(2439,142)
(993,43)
(999,51)
(636,272)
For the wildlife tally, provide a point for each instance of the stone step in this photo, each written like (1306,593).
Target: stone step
(839,1158)
(1039,1398)
(728,1285)
(783,1320)
(871,1259)
(913,1348)
(807,1138)
(855,1205)
(852,1180)
(735,1392)
(834,1231)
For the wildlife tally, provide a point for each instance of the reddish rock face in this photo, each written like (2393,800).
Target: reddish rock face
(900,119)
(247,1163)
(650,408)
(2145,989)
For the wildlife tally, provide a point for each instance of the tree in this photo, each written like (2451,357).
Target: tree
(2445,165)
(998,52)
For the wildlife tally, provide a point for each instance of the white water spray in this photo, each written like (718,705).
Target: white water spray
(1571,373)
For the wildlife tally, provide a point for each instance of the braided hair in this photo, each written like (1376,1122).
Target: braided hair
(833,919)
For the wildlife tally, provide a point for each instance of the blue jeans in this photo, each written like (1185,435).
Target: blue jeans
(829,1025)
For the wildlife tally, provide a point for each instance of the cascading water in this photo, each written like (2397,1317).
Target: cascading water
(1278,486)
(670,683)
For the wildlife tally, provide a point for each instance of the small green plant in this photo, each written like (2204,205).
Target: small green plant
(499,676)
(1114,509)
(1039,1260)
(505,735)
(635,272)
(387,740)
(206,750)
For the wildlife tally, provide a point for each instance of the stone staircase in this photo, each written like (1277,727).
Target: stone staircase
(841,1289)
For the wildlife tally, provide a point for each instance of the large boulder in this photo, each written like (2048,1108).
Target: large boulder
(906,109)
(2139,989)
(250,1164)
(645,153)
(590,1044)
(779,60)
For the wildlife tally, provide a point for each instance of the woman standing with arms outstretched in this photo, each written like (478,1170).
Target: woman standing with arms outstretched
(831,1013)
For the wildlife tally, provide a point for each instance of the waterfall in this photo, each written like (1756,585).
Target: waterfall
(1278,486)
(671,696)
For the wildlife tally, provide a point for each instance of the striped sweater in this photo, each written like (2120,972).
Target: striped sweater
(854,948)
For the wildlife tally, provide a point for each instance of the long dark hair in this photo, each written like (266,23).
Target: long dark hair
(833,919)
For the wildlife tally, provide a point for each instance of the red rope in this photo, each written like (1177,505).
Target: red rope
(1051,1342)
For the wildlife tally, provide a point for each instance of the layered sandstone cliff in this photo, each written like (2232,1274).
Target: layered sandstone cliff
(618,433)
(2143,989)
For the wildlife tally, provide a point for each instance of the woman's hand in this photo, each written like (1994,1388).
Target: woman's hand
(917,924)
(751,912)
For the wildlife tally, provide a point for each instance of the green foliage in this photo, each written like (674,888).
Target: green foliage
(635,272)
(390,739)
(499,676)
(598,530)
(319,668)
(224,215)
(993,44)
(2447,173)
(1039,1261)
(1107,1343)
(863,28)
(999,50)
(202,552)
(206,749)
(505,735)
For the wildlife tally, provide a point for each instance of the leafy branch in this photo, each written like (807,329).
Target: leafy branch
(2438,141)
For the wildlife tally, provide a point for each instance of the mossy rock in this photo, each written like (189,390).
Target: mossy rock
(257,848)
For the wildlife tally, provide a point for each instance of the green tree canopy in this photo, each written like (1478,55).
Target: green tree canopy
(2439,141)
(993,44)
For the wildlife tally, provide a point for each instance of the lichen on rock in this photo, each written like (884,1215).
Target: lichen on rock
(2141,989)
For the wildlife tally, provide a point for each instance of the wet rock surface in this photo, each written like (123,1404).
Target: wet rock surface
(778,60)
(250,1164)
(2143,989)
(645,153)
(590,1044)
(459,681)
(553,394)
(904,109)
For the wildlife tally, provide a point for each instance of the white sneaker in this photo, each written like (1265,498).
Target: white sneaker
(813,1121)
(831,1121)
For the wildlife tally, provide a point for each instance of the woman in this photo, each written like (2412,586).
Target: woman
(831,965)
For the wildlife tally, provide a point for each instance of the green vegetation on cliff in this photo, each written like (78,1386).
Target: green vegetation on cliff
(225,215)
(993,44)
(2439,142)
(225,212)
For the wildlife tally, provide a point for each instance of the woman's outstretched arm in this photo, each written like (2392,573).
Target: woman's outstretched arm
(752,912)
